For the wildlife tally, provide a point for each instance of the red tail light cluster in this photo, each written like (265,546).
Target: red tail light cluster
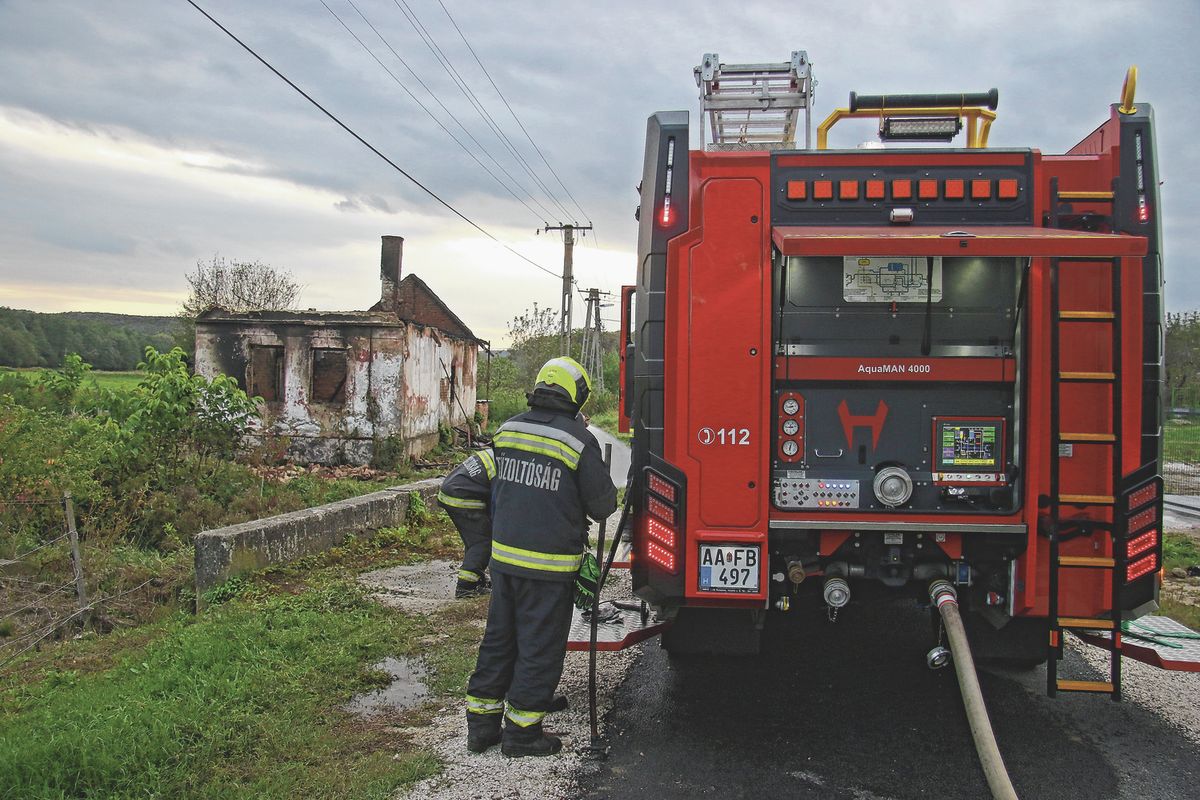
(1143,530)
(663,521)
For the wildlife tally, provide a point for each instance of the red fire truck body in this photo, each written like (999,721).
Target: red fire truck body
(854,368)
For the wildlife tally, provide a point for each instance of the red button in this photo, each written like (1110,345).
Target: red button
(901,189)
(848,190)
(1007,189)
(981,189)
(874,190)
(955,189)
(797,190)
(927,190)
(822,190)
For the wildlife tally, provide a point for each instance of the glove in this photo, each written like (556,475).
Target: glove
(587,582)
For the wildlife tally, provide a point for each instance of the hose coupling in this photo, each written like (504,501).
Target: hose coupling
(837,592)
(942,592)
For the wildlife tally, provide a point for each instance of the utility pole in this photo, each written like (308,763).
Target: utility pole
(568,234)
(592,354)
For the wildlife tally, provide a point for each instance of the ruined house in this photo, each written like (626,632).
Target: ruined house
(338,385)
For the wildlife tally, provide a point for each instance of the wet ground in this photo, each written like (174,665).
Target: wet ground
(849,710)
(406,690)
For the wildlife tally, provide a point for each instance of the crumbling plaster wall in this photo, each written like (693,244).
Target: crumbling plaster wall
(396,385)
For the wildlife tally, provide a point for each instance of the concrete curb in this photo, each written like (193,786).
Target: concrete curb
(222,553)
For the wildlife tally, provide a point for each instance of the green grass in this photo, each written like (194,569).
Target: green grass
(1179,611)
(1180,550)
(242,700)
(116,381)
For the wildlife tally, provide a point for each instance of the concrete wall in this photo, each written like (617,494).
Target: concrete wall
(238,549)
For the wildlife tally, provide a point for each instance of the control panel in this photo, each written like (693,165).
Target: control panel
(820,493)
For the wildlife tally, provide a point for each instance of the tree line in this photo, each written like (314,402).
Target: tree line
(106,341)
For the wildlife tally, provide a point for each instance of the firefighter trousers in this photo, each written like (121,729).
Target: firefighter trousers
(521,657)
(475,530)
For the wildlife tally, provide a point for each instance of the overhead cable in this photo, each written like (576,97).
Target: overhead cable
(466,91)
(368,145)
(517,119)
(425,108)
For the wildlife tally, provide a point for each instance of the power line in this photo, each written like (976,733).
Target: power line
(367,144)
(483,113)
(517,119)
(425,108)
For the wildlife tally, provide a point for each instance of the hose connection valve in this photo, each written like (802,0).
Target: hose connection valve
(942,592)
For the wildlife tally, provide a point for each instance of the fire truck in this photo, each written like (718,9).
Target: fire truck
(868,369)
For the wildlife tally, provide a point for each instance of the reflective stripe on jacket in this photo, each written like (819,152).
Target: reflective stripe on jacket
(550,477)
(469,485)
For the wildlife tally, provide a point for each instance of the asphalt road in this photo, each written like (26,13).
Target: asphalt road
(849,710)
(619,468)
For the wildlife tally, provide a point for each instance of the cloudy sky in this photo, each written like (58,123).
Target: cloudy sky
(137,139)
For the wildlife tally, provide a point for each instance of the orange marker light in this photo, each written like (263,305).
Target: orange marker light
(955,189)
(874,190)
(848,190)
(927,189)
(981,189)
(822,190)
(797,190)
(902,189)
(1007,189)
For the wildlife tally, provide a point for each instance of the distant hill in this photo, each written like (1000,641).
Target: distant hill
(106,341)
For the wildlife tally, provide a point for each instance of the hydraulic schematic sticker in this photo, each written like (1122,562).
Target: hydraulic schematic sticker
(891,280)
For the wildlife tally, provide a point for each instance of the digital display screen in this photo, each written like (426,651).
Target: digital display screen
(970,445)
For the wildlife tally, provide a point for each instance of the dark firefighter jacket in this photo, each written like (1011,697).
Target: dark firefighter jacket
(550,477)
(469,485)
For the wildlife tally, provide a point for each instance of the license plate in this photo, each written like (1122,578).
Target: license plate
(729,568)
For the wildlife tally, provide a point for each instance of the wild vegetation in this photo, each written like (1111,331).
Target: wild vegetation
(534,340)
(106,341)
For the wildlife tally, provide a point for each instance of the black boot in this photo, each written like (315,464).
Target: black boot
(532,741)
(483,731)
(472,588)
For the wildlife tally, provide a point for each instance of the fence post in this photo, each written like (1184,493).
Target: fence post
(76,561)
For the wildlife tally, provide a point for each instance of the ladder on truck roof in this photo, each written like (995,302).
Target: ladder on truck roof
(755,106)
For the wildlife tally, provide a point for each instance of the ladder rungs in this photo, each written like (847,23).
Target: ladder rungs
(1087,376)
(1101,438)
(1086,561)
(1089,316)
(1085,195)
(1085,686)
(1086,499)
(1086,622)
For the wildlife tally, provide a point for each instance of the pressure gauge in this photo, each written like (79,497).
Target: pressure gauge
(790,448)
(790,406)
(790,427)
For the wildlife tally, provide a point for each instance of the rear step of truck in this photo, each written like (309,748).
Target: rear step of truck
(625,627)
(1158,641)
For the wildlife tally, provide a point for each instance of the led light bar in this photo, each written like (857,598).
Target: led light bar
(661,556)
(660,509)
(1143,567)
(1143,519)
(661,533)
(661,487)
(919,129)
(1141,543)
(1142,496)
(666,211)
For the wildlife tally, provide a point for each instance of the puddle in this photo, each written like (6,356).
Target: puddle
(417,588)
(405,691)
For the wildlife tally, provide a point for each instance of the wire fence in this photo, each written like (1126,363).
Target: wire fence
(44,587)
(1181,442)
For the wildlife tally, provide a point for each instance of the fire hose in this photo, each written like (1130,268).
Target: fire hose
(945,598)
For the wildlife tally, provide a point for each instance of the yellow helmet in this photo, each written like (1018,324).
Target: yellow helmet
(565,375)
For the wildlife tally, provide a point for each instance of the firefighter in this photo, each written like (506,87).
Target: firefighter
(465,494)
(550,477)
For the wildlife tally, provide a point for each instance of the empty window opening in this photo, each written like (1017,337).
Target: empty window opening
(329,369)
(264,374)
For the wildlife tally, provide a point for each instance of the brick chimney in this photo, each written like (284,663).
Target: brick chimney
(390,255)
